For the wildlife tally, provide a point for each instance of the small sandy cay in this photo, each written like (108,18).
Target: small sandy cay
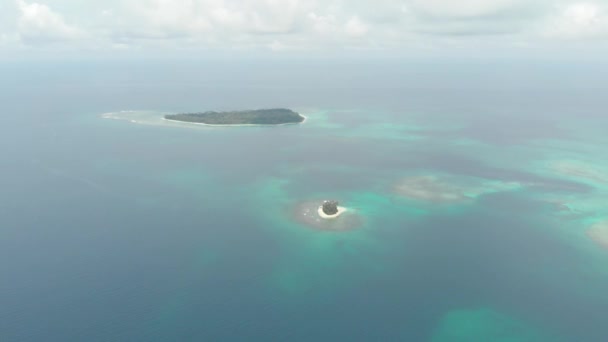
(326,215)
(599,234)
(341,210)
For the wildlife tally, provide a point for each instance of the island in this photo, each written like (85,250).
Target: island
(326,215)
(275,116)
(330,209)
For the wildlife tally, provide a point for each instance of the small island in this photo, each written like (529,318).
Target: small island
(276,116)
(326,215)
(330,210)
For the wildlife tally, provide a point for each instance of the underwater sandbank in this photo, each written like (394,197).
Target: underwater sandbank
(429,189)
(580,170)
(448,188)
(599,234)
(485,324)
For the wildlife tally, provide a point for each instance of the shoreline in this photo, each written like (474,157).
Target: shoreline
(118,116)
(308,215)
(236,125)
(341,210)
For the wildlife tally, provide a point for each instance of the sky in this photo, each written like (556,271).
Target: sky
(305,27)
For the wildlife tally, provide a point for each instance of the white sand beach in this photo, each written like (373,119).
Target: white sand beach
(341,210)
(158,119)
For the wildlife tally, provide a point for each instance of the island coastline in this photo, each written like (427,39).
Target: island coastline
(307,213)
(256,117)
(234,125)
(341,210)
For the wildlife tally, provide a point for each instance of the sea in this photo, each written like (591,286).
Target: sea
(476,186)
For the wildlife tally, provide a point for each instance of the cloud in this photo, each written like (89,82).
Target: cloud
(277,25)
(322,24)
(6,39)
(287,25)
(579,20)
(355,27)
(464,9)
(173,16)
(276,46)
(330,26)
(38,24)
(471,18)
(196,17)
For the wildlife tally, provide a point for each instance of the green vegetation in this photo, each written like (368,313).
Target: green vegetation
(275,116)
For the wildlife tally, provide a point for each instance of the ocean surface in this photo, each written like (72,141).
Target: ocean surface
(476,188)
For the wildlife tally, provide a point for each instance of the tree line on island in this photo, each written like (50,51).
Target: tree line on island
(275,116)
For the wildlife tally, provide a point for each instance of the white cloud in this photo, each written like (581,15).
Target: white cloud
(463,8)
(7,39)
(276,46)
(38,24)
(172,17)
(355,27)
(471,17)
(196,17)
(227,18)
(322,24)
(276,16)
(299,24)
(578,20)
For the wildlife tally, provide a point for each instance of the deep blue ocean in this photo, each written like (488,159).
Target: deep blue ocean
(118,231)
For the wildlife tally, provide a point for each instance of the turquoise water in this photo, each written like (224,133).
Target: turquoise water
(472,218)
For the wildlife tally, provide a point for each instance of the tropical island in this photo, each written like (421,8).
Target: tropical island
(326,215)
(330,210)
(275,116)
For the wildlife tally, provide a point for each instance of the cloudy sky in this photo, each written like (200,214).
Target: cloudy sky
(385,27)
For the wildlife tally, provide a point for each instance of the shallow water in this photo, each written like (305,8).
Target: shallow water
(122,231)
